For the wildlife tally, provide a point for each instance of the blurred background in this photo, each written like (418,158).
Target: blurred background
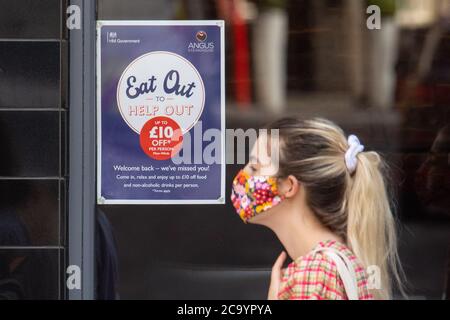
(389,85)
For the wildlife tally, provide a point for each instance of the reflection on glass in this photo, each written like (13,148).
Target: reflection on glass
(29,274)
(315,58)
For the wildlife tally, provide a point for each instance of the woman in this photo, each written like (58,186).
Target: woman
(327,202)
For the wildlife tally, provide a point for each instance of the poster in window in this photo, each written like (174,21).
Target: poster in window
(160,112)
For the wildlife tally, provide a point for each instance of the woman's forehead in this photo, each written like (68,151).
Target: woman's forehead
(264,154)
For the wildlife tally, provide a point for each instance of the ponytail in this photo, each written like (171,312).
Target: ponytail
(371,231)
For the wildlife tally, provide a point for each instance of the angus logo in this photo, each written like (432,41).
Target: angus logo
(201,45)
(201,36)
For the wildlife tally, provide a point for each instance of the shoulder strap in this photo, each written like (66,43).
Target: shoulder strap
(345,270)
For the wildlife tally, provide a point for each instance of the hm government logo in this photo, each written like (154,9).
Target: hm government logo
(112,37)
(201,45)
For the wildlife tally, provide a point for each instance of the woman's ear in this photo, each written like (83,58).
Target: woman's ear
(290,186)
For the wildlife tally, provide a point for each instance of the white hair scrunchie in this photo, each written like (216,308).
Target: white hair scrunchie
(354,147)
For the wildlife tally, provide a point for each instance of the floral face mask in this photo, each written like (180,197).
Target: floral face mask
(252,195)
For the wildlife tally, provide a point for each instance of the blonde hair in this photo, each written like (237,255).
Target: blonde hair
(355,206)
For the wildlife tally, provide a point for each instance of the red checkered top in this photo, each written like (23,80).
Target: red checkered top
(315,277)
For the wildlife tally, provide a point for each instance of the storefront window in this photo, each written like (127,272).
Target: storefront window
(381,74)
(307,59)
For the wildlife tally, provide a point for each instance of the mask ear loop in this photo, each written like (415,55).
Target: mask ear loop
(277,180)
